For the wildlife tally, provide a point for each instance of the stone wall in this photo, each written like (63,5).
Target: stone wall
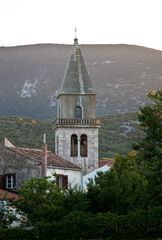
(63,147)
(67,104)
(23,167)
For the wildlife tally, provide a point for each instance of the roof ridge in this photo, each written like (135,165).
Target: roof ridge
(32,149)
(52,159)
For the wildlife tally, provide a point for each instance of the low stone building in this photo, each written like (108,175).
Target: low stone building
(20,164)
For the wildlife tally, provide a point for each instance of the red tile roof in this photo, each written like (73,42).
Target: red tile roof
(52,159)
(109,162)
(4,194)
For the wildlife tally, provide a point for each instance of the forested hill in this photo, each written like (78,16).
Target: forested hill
(122,75)
(116,135)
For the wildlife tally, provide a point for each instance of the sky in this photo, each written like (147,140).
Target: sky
(137,22)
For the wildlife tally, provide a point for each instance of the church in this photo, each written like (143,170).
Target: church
(76,131)
(76,136)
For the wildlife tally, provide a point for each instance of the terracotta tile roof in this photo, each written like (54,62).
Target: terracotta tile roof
(52,159)
(109,162)
(4,194)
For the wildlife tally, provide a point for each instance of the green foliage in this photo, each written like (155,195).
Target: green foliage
(26,132)
(17,233)
(41,200)
(120,190)
(7,215)
(117,134)
(141,224)
(150,118)
(75,200)
(150,149)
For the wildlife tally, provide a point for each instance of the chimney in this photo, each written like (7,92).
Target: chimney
(44,156)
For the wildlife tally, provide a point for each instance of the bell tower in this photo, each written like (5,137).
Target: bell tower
(76,131)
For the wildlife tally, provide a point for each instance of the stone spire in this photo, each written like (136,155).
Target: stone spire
(76,129)
(76,79)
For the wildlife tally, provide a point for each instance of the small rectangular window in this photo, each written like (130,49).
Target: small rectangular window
(62,180)
(10,181)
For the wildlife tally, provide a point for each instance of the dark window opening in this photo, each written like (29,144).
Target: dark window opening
(78,112)
(74,145)
(2,182)
(83,146)
(62,180)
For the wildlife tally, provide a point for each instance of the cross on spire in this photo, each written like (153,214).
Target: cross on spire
(75,32)
(75,39)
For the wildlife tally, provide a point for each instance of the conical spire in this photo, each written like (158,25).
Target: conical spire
(76,79)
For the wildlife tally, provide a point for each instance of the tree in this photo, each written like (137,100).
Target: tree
(150,149)
(150,118)
(75,200)
(120,190)
(41,201)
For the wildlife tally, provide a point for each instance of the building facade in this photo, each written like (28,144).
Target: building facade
(76,131)
(18,165)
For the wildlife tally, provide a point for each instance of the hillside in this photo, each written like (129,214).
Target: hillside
(116,135)
(122,75)
(26,132)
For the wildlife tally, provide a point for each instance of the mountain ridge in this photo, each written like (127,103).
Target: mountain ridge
(121,75)
(83,44)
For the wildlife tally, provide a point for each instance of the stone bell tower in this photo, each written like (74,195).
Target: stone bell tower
(76,131)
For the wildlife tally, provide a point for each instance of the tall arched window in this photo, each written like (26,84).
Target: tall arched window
(74,145)
(83,146)
(78,112)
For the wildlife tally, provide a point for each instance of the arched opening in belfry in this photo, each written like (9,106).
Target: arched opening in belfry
(83,146)
(74,145)
(78,112)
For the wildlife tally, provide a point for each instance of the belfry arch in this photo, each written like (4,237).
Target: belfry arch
(83,145)
(74,145)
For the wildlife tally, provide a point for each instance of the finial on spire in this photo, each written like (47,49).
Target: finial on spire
(75,39)
(75,32)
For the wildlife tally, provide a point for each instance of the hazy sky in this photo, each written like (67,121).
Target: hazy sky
(98,21)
